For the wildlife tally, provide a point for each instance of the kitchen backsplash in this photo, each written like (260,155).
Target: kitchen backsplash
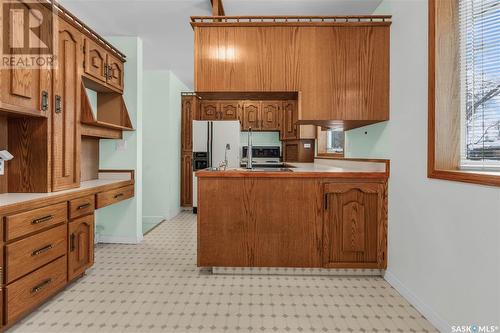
(261,139)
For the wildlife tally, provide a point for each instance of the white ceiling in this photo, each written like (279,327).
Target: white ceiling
(164,26)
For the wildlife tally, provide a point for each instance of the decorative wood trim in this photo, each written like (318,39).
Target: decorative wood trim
(363,20)
(294,174)
(475,177)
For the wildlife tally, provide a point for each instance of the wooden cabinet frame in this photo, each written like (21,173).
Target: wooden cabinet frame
(444,109)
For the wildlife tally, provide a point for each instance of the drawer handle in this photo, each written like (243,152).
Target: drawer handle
(83,206)
(42,219)
(42,250)
(118,195)
(42,285)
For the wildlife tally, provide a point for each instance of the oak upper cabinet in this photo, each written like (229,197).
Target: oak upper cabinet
(66,110)
(209,110)
(229,110)
(115,72)
(354,225)
(271,115)
(189,104)
(251,115)
(80,246)
(103,66)
(95,60)
(25,90)
(341,69)
(290,118)
(187,179)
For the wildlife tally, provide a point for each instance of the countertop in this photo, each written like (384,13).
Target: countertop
(10,202)
(321,168)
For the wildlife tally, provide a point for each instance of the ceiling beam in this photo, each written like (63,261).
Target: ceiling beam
(217,8)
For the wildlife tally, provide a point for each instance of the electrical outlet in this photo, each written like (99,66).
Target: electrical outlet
(121,145)
(2,163)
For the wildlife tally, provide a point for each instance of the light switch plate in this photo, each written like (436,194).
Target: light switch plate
(307,146)
(121,145)
(2,163)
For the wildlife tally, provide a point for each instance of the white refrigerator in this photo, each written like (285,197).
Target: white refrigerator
(218,139)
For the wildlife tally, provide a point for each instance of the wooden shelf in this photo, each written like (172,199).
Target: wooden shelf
(103,124)
(109,120)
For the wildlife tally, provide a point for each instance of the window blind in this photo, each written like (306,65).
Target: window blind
(479,22)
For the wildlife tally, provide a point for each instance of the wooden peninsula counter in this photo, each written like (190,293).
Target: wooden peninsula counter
(327,214)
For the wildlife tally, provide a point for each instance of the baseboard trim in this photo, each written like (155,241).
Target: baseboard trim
(431,315)
(119,239)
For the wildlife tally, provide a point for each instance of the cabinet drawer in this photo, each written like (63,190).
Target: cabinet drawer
(113,196)
(34,220)
(33,289)
(35,251)
(81,206)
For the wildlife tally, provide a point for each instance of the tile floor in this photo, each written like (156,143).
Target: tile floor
(156,287)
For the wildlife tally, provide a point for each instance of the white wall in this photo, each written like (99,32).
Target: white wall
(122,222)
(162,156)
(444,237)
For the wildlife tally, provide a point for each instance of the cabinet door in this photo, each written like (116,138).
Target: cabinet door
(209,110)
(229,110)
(66,110)
(115,72)
(271,115)
(187,180)
(22,88)
(188,111)
(95,60)
(290,118)
(353,228)
(80,246)
(251,115)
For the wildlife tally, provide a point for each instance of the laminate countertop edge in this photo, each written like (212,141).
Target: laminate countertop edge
(36,200)
(293,174)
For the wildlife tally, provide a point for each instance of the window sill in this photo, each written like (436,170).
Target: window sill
(489,178)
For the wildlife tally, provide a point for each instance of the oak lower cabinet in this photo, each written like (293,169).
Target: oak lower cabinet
(354,226)
(290,118)
(186,179)
(80,246)
(66,109)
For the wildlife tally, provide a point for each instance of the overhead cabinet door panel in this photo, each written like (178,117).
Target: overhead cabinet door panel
(95,60)
(24,87)
(66,111)
(115,72)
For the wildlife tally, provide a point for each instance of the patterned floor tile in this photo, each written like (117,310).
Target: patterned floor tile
(156,287)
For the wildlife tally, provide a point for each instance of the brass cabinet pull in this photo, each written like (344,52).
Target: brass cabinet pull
(118,195)
(42,285)
(58,104)
(42,219)
(105,71)
(83,206)
(72,242)
(45,101)
(42,250)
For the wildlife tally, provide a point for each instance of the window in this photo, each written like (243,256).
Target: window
(464,91)
(335,141)
(479,22)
